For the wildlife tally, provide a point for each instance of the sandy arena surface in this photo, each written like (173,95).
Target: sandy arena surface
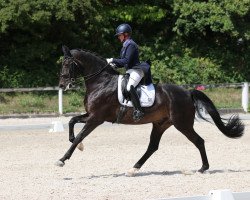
(27,169)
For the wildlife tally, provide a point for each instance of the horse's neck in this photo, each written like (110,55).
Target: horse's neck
(100,82)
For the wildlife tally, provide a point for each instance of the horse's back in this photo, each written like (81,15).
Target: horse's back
(180,103)
(176,92)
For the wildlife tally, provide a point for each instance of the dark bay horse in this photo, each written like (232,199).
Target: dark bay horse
(173,106)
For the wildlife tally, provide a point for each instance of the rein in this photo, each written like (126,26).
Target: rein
(90,76)
(86,77)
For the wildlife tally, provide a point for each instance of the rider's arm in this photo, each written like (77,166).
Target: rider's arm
(130,52)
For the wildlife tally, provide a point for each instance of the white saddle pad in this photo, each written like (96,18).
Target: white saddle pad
(147,95)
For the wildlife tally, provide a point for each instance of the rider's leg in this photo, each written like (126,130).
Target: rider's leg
(135,99)
(134,79)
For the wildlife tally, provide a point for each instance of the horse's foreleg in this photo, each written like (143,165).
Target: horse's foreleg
(155,138)
(73,121)
(87,129)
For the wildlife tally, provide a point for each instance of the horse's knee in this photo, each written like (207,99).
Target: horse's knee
(72,121)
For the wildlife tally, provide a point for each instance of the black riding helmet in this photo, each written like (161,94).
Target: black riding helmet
(123,28)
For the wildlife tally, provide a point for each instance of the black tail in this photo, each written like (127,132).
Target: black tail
(232,128)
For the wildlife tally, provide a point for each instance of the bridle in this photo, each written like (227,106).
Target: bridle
(71,75)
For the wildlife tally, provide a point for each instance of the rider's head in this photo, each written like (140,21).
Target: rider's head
(123,31)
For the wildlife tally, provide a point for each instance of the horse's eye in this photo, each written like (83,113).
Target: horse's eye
(64,75)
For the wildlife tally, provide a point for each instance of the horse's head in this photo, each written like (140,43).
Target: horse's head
(82,63)
(68,71)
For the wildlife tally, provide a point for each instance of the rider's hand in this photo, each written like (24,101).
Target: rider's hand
(113,65)
(109,60)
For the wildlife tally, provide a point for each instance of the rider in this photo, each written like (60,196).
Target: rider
(129,58)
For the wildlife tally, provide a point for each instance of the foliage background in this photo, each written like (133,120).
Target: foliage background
(188,41)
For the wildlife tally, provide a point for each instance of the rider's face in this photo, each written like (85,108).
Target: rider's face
(121,37)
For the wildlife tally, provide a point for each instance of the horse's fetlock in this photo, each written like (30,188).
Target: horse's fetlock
(137,166)
(71,139)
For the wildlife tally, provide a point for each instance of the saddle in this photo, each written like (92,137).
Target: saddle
(146,95)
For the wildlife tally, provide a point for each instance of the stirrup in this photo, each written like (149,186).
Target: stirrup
(137,115)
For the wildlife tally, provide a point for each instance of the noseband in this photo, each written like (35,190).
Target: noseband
(71,75)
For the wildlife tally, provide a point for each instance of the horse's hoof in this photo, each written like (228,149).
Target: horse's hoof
(202,172)
(132,172)
(203,169)
(59,163)
(80,146)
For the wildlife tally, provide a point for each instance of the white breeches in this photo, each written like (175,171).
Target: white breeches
(135,77)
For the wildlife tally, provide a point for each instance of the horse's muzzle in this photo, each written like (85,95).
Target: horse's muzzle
(61,86)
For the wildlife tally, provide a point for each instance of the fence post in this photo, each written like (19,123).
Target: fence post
(60,101)
(245,96)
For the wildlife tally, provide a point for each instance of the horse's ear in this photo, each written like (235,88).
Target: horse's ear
(66,51)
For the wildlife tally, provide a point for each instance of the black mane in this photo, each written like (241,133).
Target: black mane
(93,59)
(91,53)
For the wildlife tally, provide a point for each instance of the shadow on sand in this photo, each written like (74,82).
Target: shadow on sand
(162,173)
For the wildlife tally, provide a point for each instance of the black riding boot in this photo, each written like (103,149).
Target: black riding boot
(138,113)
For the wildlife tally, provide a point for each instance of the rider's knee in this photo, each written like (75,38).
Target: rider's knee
(128,87)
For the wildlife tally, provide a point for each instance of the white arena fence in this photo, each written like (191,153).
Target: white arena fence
(216,195)
(244,86)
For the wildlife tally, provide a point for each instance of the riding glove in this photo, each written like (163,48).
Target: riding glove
(109,60)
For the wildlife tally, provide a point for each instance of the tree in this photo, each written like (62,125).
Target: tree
(181,37)
(32,33)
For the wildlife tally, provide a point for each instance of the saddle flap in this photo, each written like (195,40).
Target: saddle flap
(146,93)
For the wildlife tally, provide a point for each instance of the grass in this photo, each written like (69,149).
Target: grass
(40,102)
(47,102)
(225,97)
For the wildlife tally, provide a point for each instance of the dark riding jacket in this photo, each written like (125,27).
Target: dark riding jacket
(129,55)
(129,58)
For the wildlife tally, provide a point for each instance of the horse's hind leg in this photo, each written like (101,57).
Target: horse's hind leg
(157,131)
(199,143)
